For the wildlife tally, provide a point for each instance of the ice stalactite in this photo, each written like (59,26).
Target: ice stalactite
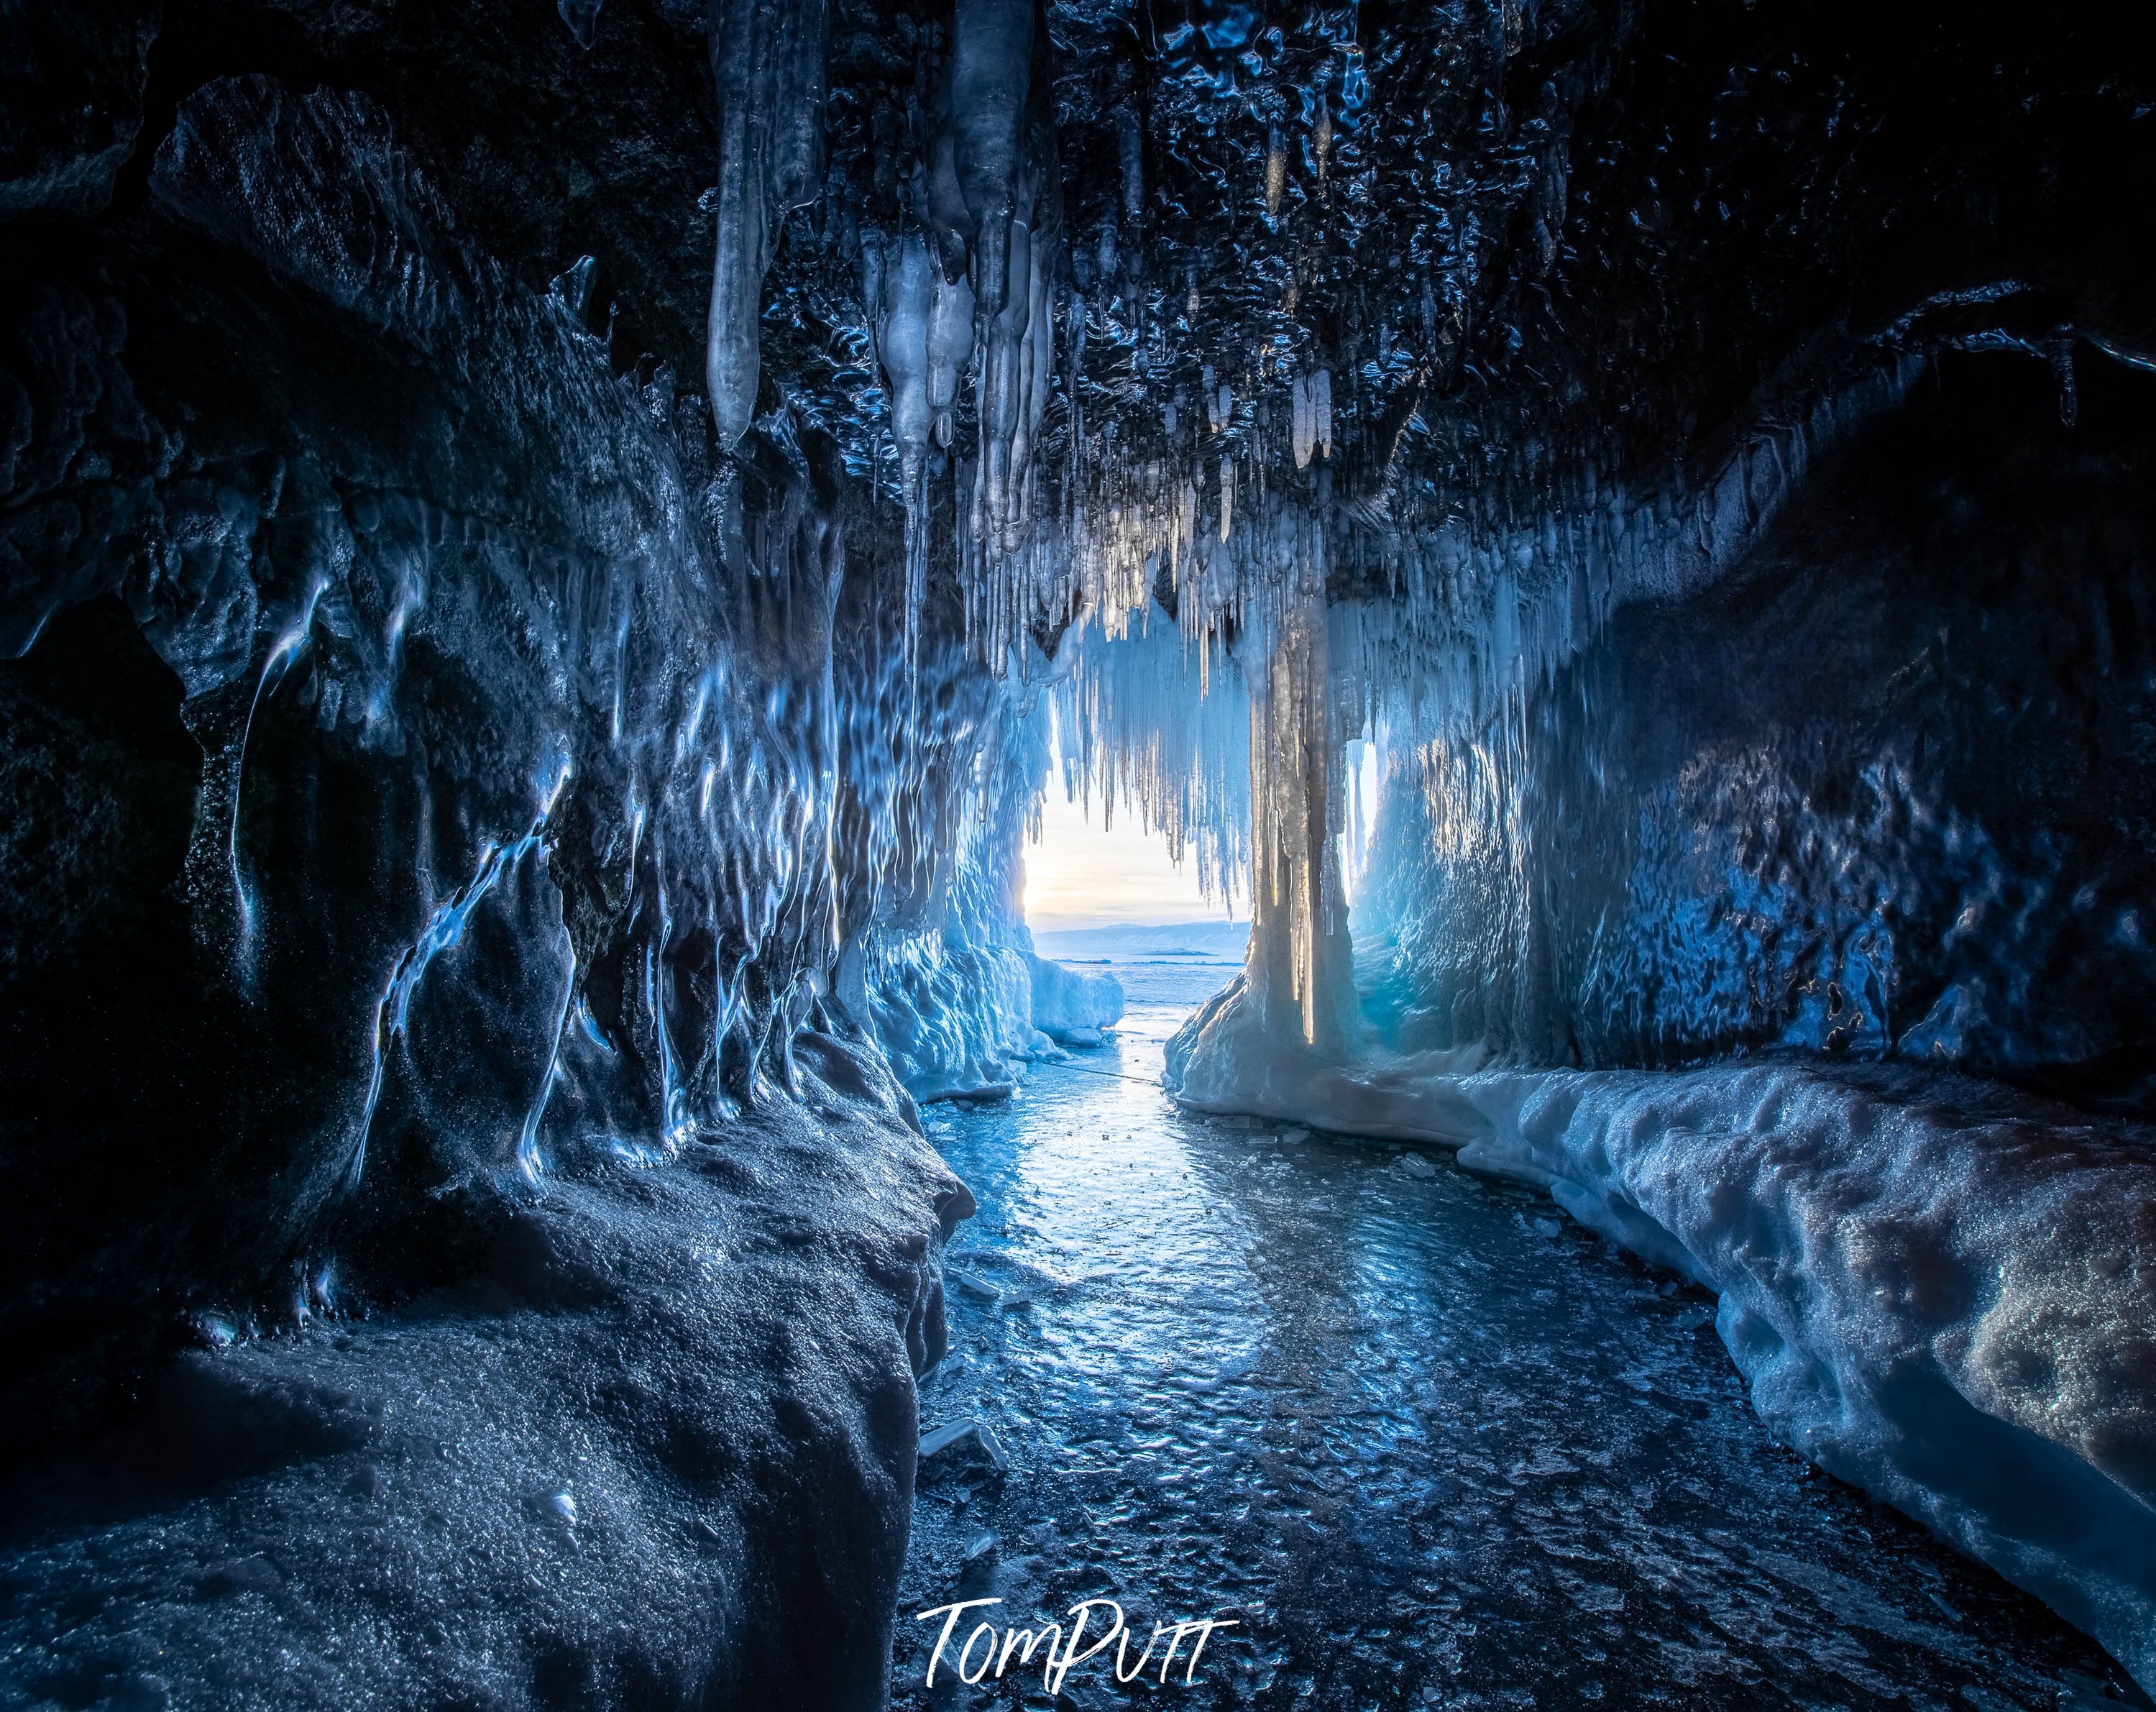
(968,291)
(1002,137)
(1130,149)
(768,59)
(1483,601)
(1311,400)
(949,351)
(1154,727)
(924,337)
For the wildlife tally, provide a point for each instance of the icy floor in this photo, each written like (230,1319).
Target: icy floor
(1428,1444)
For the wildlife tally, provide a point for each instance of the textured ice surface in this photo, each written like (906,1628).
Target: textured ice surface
(1432,1444)
(1940,1292)
(1841,805)
(949,979)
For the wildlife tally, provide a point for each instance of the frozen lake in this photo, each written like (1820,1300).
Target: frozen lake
(1428,1443)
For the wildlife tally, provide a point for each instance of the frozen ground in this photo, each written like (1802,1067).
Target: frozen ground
(1429,1443)
(656,1450)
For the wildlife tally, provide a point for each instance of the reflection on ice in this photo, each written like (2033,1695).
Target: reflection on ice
(1432,1445)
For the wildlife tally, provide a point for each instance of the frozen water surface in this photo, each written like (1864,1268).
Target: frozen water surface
(1427,1442)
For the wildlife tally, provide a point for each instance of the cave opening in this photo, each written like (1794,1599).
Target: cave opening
(1332,822)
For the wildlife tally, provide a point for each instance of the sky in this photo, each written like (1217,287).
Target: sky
(1079,876)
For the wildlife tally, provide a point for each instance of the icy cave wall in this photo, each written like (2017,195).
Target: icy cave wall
(388,622)
(959,999)
(442,792)
(1741,551)
(1882,792)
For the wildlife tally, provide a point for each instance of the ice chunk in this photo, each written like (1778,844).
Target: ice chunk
(961,1446)
(965,1284)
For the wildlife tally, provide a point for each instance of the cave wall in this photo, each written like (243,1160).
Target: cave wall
(420,584)
(1883,791)
(445,794)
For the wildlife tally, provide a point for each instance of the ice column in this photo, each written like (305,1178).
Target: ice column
(1300,971)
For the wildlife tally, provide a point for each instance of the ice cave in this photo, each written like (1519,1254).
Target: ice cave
(559,559)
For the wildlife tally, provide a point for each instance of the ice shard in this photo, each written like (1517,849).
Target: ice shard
(767,60)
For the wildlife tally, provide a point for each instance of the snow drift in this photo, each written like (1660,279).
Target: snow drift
(1939,1290)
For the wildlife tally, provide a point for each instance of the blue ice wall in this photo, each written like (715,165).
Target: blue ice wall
(1871,796)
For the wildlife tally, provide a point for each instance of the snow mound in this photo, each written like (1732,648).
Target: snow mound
(1939,1290)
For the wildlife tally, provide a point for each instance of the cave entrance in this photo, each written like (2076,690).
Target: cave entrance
(1092,867)
(1104,889)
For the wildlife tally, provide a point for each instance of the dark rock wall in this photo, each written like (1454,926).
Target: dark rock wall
(440,792)
(418,580)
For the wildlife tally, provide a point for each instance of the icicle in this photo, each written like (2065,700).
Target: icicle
(901,326)
(950,349)
(1131,140)
(1275,172)
(767,60)
(1000,138)
(1227,494)
(991,71)
(910,285)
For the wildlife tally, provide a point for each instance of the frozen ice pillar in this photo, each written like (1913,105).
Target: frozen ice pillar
(1291,1016)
